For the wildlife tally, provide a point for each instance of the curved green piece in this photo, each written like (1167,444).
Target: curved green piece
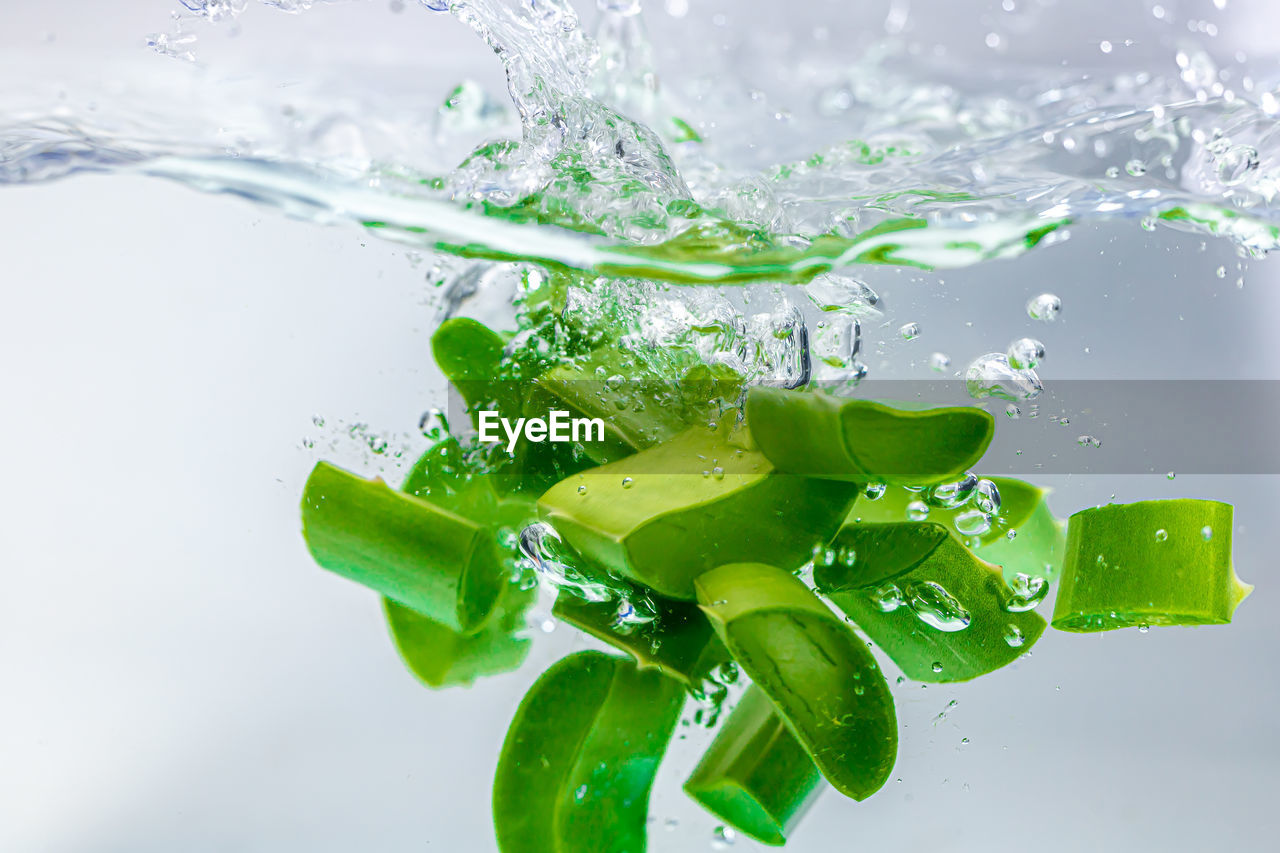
(470,354)
(581,755)
(818,674)
(1148,563)
(442,657)
(667,514)
(1035,550)
(756,776)
(680,643)
(837,438)
(939,612)
(432,561)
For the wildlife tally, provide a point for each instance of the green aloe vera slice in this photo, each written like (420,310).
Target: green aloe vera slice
(680,644)
(756,776)
(469,354)
(419,555)
(836,438)
(1038,541)
(1148,563)
(580,757)
(667,514)
(939,612)
(818,674)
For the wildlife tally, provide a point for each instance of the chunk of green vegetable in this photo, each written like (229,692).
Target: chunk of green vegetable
(818,674)
(419,555)
(680,643)
(1148,563)
(667,514)
(938,611)
(1035,548)
(756,776)
(442,657)
(581,755)
(837,438)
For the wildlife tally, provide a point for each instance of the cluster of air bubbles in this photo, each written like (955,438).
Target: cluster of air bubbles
(936,607)
(992,375)
(1026,592)
(711,693)
(1046,307)
(555,562)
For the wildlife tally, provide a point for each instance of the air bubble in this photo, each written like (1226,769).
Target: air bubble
(1046,307)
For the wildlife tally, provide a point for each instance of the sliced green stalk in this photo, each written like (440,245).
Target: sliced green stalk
(837,438)
(581,755)
(1148,563)
(756,776)
(818,674)
(667,514)
(939,612)
(419,555)
(1035,549)
(442,657)
(680,644)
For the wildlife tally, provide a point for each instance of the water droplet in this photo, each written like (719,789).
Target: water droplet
(1236,163)
(1028,591)
(723,838)
(717,473)
(433,424)
(910,331)
(1206,533)
(875,491)
(627,482)
(582,490)
(952,495)
(1171,475)
(972,522)
(1046,307)
(991,375)
(986,497)
(1013,636)
(937,666)
(917,510)
(887,598)
(1025,353)
(936,607)
(1135,168)
(555,561)
(1088,441)
(1143,628)
(939,362)
(1162,535)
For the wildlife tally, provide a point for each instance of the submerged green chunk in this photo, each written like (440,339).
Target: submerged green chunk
(836,438)
(581,755)
(442,657)
(756,776)
(469,354)
(666,515)
(938,611)
(1148,563)
(680,643)
(1024,537)
(419,555)
(818,674)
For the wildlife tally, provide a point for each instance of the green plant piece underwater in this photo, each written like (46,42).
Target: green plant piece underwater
(861,441)
(821,678)
(580,757)
(665,515)
(756,776)
(1148,563)
(941,613)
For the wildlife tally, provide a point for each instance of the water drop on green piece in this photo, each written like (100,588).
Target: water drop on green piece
(917,510)
(1162,535)
(627,482)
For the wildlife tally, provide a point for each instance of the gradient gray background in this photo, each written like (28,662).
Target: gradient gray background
(178,675)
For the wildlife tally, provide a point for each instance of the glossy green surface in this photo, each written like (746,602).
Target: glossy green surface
(820,677)
(910,587)
(580,757)
(838,438)
(666,515)
(756,776)
(442,657)
(1148,563)
(422,556)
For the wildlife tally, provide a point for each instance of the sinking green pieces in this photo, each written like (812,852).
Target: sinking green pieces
(580,757)
(756,776)
(819,676)
(666,515)
(1148,563)
(430,560)
(938,611)
(836,438)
